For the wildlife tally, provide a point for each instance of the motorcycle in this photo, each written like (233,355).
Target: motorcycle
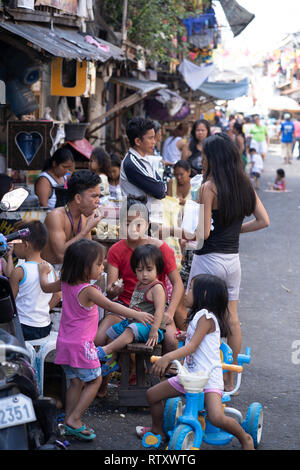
(27,421)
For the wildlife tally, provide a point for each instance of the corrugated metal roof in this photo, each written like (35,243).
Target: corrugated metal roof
(145,86)
(65,42)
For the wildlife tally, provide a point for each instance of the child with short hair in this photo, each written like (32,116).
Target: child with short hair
(257,166)
(207,300)
(75,348)
(279,184)
(33,305)
(149,295)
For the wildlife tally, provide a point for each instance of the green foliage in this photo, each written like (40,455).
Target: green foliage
(156,25)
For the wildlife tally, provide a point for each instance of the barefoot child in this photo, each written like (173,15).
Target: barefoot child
(208,321)
(149,295)
(279,184)
(75,348)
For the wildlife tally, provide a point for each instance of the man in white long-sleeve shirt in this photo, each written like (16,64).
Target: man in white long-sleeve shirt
(137,177)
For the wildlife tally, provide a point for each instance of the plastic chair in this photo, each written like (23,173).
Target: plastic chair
(45,346)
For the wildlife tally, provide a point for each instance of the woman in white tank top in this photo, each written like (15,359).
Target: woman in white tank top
(53,175)
(174,145)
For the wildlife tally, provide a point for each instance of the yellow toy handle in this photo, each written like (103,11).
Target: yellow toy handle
(154,359)
(232,367)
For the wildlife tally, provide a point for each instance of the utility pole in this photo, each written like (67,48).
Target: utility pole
(124,20)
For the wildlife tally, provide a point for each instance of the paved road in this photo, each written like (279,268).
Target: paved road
(270,319)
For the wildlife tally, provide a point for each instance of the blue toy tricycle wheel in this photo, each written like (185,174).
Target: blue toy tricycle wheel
(183,438)
(253,423)
(173,409)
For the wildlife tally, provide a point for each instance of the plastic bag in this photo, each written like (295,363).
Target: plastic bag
(171,216)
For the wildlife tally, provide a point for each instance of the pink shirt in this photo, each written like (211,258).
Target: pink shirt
(78,327)
(297,128)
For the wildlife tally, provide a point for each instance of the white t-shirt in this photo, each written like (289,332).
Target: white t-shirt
(258,163)
(31,302)
(207,354)
(171,153)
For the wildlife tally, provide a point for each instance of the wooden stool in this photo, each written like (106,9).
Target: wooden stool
(135,395)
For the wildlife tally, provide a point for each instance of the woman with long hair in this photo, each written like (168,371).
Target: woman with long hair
(228,197)
(100,163)
(200,131)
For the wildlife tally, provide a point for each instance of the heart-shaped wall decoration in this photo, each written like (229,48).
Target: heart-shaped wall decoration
(28,144)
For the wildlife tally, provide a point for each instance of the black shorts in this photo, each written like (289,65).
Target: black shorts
(35,332)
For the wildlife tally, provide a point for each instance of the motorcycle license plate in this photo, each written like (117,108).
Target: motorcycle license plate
(15,410)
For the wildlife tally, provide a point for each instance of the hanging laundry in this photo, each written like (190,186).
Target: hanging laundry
(195,75)
(91,40)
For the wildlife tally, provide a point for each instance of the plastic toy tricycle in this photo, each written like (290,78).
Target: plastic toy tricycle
(185,419)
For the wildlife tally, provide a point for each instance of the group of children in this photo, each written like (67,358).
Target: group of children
(37,289)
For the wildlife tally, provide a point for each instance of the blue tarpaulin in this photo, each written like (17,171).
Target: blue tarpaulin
(225,90)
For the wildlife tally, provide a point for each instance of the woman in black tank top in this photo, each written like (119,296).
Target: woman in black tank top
(228,196)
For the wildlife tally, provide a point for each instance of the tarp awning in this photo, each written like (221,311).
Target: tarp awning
(167,105)
(142,88)
(225,90)
(65,42)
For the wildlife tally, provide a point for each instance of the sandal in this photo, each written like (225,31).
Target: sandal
(109,368)
(79,434)
(102,356)
(141,431)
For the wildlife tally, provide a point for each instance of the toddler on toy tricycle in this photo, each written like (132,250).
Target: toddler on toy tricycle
(208,321)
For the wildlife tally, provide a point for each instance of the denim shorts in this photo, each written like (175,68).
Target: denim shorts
(140,331)
(85,375)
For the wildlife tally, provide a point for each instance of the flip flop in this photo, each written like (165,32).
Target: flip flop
(109,368)
(79,434)
(102,356)
(141,431)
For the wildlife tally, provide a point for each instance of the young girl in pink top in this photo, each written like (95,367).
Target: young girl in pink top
(75,348)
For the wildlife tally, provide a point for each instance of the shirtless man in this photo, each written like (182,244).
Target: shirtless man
(74,221)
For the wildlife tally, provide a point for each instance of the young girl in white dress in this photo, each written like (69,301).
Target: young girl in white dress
(207,300)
